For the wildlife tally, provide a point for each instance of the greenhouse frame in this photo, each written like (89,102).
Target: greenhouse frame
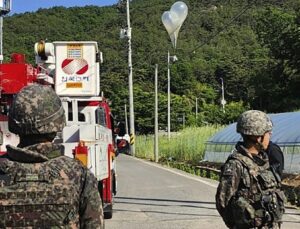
(285,133)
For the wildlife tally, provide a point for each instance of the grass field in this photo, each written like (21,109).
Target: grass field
(186,145)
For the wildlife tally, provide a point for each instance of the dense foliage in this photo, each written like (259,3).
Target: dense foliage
(187,145)
(253,45)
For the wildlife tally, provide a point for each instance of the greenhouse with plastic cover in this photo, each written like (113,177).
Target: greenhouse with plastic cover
(285,133)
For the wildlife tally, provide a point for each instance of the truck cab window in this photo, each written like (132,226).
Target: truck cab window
(70,114)
(100,116)
(81,117)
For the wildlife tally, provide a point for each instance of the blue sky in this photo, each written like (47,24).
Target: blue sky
(21,6)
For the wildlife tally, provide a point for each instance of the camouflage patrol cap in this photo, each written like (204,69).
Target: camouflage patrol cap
(36,109)
(254,122)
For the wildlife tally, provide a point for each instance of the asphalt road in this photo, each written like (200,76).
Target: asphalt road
(153,196)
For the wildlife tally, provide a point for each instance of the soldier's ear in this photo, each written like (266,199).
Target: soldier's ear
(260,139)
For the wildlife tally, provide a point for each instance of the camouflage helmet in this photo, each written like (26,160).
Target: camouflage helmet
(36,109)
(254,122)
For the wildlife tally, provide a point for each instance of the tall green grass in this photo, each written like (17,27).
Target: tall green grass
(186,145)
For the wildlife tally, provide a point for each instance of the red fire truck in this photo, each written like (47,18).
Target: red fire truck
(72,69)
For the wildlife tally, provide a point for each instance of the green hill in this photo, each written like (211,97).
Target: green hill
(253,45)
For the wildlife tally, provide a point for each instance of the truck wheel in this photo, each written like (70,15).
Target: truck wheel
(114,184)
(108,211)
(108,214)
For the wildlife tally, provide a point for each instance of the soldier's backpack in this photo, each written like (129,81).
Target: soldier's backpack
(259,200)
(39,195)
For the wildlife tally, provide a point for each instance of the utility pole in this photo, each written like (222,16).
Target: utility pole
(5,6)
(156,116)
(170,59)
(223,101)
(196,108)
(126,121)
(169,99)
(130,81)
(127,33)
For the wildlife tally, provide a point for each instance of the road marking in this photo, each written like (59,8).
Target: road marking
(178,173)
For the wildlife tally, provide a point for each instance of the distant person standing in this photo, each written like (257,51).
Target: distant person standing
(249,195)
(122,139)
(39,187)
(276,158)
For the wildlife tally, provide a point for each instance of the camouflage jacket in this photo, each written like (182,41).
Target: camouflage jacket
(245,182)
(40,188)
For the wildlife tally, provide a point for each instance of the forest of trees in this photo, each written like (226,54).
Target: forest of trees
(256,54)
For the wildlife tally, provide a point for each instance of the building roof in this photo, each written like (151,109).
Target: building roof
(286,131)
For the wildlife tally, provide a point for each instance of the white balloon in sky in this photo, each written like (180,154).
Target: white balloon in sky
(170,21)
(180,9)
(174,19)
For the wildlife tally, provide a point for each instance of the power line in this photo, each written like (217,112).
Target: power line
(244,9)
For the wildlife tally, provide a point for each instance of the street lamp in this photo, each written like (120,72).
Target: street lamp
(125,113)
(196,109)
(156,115)
(170,59)
(173,21)
(127,33)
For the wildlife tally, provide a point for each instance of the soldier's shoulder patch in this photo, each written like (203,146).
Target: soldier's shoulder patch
(229,168)
(228,172)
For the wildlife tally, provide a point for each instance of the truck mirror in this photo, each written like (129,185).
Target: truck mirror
(99,57)
(117,130)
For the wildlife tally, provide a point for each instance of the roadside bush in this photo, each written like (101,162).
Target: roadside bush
(185,145)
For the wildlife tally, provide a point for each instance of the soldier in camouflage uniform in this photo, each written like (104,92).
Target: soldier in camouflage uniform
(249,195)
(39,187)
